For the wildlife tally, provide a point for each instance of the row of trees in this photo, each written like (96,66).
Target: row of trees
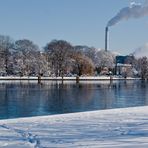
(21,57)
(58,58)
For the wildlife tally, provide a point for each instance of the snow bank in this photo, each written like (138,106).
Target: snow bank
(67,78)
(107,128)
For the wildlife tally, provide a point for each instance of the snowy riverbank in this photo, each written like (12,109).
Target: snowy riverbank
(107,128)
(68,78)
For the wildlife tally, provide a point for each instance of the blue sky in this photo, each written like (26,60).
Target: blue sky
(81,22)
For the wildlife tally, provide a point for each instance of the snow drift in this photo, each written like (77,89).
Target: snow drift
(108,128)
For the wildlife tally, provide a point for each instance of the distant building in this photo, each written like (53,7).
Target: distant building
(123,66)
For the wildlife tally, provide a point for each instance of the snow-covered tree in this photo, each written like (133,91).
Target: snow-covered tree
(26,57)
(43,67)
(6,47)
(100,58)
(105,59)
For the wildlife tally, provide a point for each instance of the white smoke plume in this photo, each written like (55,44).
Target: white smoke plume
(135,10)
(141,51)
(146,2)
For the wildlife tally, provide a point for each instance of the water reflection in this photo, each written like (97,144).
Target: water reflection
(27,98)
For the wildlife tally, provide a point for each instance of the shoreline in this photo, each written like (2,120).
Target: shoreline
(74,114)
(96,78)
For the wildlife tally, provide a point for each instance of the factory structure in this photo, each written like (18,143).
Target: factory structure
(106,38)
(136,11)
(122,67)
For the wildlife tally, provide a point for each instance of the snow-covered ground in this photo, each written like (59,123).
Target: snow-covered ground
(107,128)
(68,78)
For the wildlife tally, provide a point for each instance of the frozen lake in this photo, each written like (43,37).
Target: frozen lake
(27,98)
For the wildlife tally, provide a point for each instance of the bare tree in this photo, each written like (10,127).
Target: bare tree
(82,65)
(58,52)
(87,51)
(143,67)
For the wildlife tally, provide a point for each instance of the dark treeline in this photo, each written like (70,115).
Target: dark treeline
(58,58)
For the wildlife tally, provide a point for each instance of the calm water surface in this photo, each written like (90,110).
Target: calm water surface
(27,98)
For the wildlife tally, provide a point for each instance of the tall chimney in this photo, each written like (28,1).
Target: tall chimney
(106,38)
